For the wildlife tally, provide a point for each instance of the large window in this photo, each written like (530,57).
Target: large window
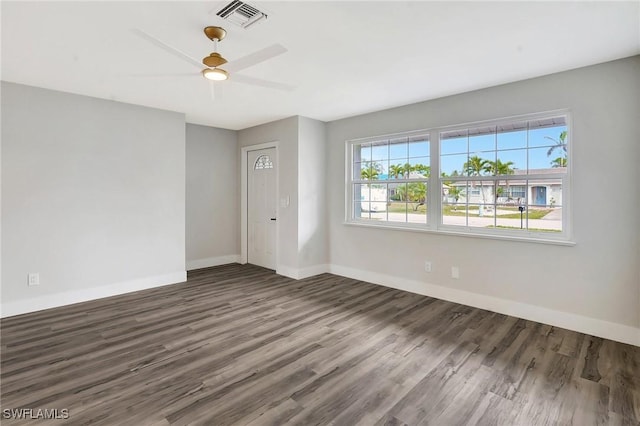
(506,177)
(390,179)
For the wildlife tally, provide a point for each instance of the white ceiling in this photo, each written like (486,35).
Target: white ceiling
(345,58)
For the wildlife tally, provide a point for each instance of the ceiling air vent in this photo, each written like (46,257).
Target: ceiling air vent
(241,14)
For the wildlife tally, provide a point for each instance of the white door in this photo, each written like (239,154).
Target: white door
(261,207)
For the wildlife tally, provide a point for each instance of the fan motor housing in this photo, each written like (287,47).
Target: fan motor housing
(214,60)
(215,33)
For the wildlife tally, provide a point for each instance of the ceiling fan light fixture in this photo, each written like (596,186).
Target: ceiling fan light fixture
(215,74)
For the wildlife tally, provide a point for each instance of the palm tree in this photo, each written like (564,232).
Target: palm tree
(406,170)
(477,166)
(559,162)
(560,143)
(498,168)
(456,193)
(415,193)
(370,170)
(422,169)
(396,170)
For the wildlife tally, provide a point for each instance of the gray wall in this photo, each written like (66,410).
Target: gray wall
(213,216)
(93,193)
(598,277)
(313,244)
(302,226)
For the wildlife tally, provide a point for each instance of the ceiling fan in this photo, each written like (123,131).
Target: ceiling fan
(214,60)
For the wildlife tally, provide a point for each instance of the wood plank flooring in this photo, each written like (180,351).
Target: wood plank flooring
(241,345)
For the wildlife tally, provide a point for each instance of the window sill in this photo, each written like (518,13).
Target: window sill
(549,241)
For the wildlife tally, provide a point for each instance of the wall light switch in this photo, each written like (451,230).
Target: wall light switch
(455,272)
(285,201)
(33,279)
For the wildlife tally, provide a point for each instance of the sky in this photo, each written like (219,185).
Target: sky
(506,146)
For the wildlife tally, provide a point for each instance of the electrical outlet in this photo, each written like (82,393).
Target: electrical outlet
(33,278)
(427,266)
(455,272)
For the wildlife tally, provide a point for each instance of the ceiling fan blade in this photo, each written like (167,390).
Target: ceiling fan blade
(262,83)
(255,58)
(191,74)
(170,49)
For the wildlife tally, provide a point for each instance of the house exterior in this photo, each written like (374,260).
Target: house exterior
(374,199)
(545,193)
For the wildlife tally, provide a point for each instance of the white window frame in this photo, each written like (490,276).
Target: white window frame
(434,199)
(351,181)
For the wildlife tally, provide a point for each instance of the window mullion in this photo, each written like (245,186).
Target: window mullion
(434,208)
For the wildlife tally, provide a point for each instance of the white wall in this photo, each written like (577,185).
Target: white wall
(285,132)
(212,197)
(312,196)
(592,286)
(93,196)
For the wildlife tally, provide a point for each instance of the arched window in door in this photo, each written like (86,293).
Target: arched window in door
(263,162)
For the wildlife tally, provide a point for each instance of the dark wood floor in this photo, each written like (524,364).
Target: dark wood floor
(241,345)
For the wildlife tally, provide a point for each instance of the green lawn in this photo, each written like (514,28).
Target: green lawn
(533,214)
(461,210)
(398,207)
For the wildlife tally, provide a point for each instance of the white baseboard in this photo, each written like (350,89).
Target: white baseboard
(596,327)
(212,261)
(18,307)
(592,326)
(311,271)
(301,273)
(287,271)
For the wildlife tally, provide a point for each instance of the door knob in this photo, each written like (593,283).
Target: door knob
(273,218)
